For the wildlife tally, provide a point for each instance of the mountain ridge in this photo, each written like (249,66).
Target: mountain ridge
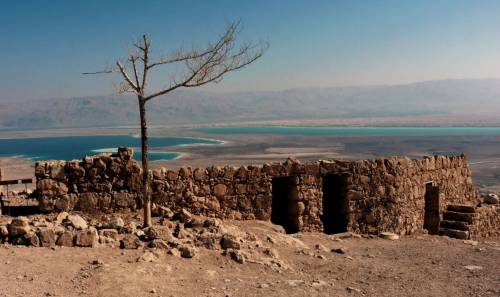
(451,97)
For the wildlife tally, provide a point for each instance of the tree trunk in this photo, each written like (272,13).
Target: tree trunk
(146,198)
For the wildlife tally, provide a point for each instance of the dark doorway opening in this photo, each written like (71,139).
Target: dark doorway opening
(334,203)
(282,204)
(431,208)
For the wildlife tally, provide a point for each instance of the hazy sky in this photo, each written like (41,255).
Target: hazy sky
(45,45)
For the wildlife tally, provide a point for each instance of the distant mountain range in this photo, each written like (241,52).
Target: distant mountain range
(475,97)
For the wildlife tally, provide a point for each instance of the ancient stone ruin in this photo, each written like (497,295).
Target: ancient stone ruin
(395,194)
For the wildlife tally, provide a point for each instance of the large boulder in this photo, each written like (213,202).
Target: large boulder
(229,241)
(47,237)
(66,239)
(76,221)
(159,232)
(114,222)
(131,241)
(18,227)
(87,238)
(28,239)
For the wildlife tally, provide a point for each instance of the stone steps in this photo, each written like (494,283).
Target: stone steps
(461,208)
(456,221)
(456,225)
(460,234)
(458,216)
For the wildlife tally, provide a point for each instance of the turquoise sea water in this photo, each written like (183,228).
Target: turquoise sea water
(354,131)
(76,147)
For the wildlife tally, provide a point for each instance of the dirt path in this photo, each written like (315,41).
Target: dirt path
(299,265)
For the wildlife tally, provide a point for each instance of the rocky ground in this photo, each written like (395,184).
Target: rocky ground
(184,255)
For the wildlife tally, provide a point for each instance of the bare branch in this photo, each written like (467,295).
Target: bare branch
(132,60)
(126,76)
(212,63)
(99,72)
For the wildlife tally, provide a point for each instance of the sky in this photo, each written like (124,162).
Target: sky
(45,45)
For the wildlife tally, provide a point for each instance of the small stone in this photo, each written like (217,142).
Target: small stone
(235,255)
(341,250)
(148,257)
(352,289)
(183,216)
(174,252)
(319,247)
(321,257)
(97,262)
(187,251)
(473,267)
(492,199)
(229,241)
(389,235)
(152,291)
(263,286)
(471,242)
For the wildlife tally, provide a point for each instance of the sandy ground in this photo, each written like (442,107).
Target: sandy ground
(412,266)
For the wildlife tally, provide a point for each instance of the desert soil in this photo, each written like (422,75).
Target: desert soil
(303,265)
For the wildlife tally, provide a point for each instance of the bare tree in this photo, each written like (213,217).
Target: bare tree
(195,67)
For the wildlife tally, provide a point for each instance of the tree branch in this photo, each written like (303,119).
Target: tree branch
(126,76)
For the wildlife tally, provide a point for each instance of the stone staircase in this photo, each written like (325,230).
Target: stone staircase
(457,220)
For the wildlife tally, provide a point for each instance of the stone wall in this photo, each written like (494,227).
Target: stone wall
(486,222)
(377,195)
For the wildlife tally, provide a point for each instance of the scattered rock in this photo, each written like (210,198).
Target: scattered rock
(47,237)
(187,251)
(471,242)
(77,222)
(352,290)
(183,216)
(389,235)
(114,223)
(473,267)
(492,199)
(346,235)
(97,262)
(66,239)
(229,241)
(131,241)
(174,252)
(28,239)
(19,226)
(159,232)
(341,250)
(319,247)
(61,217)
(87,238)
(235,255)
(148,257)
